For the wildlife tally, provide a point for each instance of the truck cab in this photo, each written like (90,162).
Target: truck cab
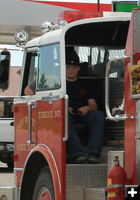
(41,120)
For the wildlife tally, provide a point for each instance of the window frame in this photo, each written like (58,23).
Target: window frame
(51,89)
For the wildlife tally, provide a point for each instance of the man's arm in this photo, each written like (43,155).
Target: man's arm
(92,105)
(28,91)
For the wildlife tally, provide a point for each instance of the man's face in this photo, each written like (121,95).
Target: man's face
(72,71)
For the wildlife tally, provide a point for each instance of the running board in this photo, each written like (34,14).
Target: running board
(95,194)
(82,176)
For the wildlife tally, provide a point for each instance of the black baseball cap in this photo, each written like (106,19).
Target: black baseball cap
(72,57)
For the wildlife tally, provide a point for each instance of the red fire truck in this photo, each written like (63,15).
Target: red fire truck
(108,46)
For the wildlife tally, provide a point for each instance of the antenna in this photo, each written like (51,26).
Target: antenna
(98,5)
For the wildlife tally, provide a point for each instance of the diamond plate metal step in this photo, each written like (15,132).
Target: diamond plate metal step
(95,194)
(79,177)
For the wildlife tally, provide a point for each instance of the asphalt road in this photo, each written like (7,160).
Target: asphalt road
(6,176)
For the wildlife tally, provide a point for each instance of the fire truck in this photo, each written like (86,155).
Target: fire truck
(108,48)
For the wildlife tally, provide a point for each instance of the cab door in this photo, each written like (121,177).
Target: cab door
(25,114)
(51,108)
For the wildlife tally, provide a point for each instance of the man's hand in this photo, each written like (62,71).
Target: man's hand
(84,109)
(92,105)
(70,111)
(28,91)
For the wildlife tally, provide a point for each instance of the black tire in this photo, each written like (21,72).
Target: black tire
(44,186)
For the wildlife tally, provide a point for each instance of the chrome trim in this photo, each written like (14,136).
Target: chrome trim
(135,96)
(50,98)
(30,106)
(65,138)
(8,97)
(29,121)
(18,169)
(24,100)
(117,117)
(114,185)
(11,119)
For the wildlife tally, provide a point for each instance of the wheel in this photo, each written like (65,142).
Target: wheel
(44,189)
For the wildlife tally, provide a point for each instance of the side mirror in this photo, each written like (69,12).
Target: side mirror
(4,69)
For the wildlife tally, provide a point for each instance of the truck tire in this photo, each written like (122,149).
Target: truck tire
(44,186)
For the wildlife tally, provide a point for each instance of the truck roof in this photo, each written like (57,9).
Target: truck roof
(55,35)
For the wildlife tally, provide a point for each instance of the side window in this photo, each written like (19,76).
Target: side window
(33,67)
(49,68)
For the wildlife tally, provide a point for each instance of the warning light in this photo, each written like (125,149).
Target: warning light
(71,16)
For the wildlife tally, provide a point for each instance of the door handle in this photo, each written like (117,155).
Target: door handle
(30,104)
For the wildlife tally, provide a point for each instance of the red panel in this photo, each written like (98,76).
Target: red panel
(22,149)
(78,6)
(50,131)
(130,128)
(47,129)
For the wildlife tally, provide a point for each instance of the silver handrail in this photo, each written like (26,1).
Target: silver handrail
(30,104)
(65,138)
(117,117)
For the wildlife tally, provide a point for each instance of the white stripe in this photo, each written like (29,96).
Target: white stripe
(18,169)
(85,1)
(78,1)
